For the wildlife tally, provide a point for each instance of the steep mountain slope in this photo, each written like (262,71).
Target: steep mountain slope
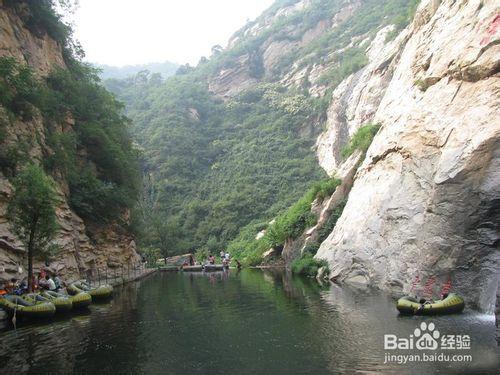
(425,200)
(54,113)
(230,142)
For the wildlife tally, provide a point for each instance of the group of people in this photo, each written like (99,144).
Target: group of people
(43,281)
(225,259)
(224,256)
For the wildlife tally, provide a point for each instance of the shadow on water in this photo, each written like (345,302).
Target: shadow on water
(253,321)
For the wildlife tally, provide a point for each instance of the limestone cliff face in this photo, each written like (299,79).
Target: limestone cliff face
(259,63)
(356,100)
(85,248)
(425,202)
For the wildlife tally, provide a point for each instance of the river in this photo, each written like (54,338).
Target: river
(248,322)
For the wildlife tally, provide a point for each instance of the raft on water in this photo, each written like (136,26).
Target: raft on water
(61,302)
(101,292)
(451,304)
(81,300)
(168,268)
(213,267)
(25,308)
(197,268)
(206,268)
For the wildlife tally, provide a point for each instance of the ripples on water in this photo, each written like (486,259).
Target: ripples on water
(243,323)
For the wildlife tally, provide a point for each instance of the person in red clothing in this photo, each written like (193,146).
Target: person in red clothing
(3,290)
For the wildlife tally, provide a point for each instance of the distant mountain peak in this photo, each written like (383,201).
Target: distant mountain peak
(166,69)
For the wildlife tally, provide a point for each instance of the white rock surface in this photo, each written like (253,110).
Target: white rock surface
(425,201)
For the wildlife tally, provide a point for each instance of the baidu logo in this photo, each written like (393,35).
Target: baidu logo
(427,337)
(429,344)
(424,337)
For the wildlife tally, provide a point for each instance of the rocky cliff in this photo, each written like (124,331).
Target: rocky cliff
(425,202)
(85,247)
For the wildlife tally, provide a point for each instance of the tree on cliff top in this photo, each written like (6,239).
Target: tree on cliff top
(32,208)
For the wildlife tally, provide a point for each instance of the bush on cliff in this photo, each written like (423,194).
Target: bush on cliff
(361,140)
(293,222)
(307,265)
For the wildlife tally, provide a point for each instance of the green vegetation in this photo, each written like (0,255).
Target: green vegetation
(32,211)
(222,168)
(348,62)
(422,85)
(298,217)
(43,19)
(94,153)
(327,227)
(361,140)
(307,265)
(217,166)
(369,17)
(290,224)
(105,182)
(19,90)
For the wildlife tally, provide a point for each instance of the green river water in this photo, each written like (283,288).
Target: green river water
(248,322)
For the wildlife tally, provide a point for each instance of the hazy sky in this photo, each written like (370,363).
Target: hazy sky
(122,32)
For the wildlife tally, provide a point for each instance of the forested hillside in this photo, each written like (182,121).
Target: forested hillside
(218,165)
(56,115)
(231,142)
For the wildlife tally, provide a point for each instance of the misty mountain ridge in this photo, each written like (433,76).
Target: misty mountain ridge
(166,69)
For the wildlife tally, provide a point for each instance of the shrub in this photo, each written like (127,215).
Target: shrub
(43,19)
(19,90)
(307,265)
(110,173)
(327,227)
(298,217)
(422,85)
(350,61)
(292,223)
(202,254)
(311,248)
(325,188)
(361,140)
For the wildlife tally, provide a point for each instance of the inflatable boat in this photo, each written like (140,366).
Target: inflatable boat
(99,293)
(80,300)
(213,267)
(25,308)
(197,268)
(451,304)
(61,302)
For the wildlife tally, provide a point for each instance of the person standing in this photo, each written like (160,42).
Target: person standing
(51,285)
(57,282)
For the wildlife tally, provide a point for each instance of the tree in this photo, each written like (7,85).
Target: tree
(163,234)
(158,230)
(32,210)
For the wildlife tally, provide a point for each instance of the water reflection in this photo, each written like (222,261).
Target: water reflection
(232,322)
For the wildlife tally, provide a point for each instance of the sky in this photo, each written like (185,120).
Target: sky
(129,32)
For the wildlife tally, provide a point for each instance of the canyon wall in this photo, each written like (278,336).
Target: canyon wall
(425,203)
(84,247)
(426,200)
